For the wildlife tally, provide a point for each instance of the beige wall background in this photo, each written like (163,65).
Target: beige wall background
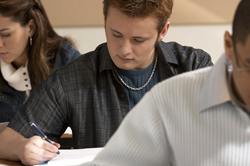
(89,12)
(68,13)
(197,23)
(203,11)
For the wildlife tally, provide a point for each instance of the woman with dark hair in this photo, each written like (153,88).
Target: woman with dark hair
(29,51)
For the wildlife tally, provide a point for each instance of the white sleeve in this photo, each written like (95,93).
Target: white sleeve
(140,140)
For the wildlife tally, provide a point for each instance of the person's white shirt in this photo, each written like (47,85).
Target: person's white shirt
(187,120)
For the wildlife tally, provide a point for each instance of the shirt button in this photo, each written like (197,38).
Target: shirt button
(27,85)
(24,73)
(26,79)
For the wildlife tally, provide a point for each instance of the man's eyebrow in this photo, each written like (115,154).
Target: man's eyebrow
(115,31)
(136,37)
(4,29)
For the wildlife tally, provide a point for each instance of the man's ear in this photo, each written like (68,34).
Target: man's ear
(228,44)
(31,28)
(163,31)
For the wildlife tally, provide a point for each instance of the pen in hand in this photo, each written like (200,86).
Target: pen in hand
(41,134)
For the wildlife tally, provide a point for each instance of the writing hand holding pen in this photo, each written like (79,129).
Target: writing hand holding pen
(41,134)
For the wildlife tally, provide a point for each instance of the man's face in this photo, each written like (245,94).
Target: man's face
(131,41)
(241,79)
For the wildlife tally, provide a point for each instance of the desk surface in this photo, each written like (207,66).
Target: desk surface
(9,163)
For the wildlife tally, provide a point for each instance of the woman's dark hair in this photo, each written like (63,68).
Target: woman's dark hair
(45,41)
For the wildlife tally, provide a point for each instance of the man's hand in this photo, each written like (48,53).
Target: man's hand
(36,151)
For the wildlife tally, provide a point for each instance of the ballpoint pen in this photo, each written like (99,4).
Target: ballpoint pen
(41,134)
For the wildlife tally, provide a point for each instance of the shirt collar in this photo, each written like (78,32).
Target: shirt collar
(215,88)
(105,60)
(164,50)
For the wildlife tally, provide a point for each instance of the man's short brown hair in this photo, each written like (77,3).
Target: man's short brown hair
(161,9)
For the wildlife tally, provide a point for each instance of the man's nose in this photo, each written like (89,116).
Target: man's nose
(126,48)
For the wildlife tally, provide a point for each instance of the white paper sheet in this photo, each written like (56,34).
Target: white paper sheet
(73,157)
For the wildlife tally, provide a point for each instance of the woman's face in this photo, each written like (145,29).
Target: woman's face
(14,40)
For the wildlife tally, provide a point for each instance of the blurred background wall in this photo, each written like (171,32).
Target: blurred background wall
(196,23)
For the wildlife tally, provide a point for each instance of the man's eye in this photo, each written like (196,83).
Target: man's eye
(117,36)
(5,35)
(139,40)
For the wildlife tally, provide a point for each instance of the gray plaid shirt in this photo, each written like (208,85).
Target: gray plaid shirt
(87,95)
